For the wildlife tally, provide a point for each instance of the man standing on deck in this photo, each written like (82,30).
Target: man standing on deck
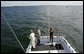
(51,34)
(32,38)
(38,34)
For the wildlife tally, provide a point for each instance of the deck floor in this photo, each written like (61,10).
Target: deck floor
(60,46)
(47,47)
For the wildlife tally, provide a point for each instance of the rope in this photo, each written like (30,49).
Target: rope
(14,33)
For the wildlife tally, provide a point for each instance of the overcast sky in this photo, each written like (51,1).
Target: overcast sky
(33,3)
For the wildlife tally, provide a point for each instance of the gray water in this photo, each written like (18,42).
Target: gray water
(66,20)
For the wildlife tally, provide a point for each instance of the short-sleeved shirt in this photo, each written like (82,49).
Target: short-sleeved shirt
(38,34)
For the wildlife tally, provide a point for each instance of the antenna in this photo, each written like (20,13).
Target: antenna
(48,18)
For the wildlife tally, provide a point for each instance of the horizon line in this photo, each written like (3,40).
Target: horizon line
(41,5)
(36,3)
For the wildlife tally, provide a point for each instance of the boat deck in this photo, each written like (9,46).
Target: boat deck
(59,45)
(47,47)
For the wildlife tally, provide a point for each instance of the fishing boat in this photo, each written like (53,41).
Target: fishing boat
(59,45)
